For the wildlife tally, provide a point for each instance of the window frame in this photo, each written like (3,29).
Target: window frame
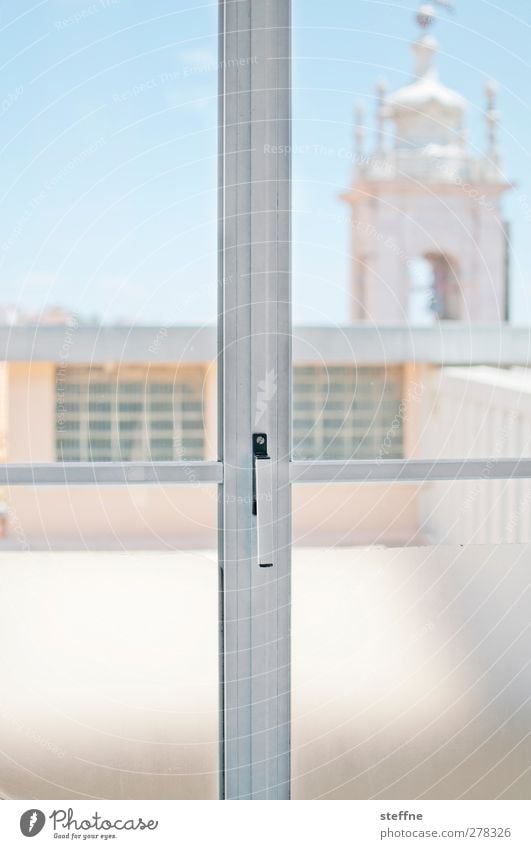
(254,340)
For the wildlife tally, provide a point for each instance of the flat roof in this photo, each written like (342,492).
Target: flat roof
(448,343)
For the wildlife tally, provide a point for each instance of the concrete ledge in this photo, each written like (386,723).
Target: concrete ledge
(448,343)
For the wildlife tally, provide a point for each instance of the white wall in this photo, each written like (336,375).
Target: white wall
(477,412)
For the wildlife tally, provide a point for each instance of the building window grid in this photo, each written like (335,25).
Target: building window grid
(341,412)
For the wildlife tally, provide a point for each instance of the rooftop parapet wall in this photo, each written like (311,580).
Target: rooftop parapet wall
(444,343)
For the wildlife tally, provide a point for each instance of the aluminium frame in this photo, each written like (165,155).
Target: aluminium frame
(254,364)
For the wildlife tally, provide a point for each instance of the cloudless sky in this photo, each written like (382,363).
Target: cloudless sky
(108,145)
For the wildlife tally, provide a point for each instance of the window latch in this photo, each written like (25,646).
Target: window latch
(263,499)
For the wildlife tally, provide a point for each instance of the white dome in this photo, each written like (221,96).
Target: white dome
(426,112)
(426,92)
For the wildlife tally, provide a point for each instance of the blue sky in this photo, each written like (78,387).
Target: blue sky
(108,145)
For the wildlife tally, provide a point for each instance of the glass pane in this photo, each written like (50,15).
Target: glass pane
(110,141)
(411,672)
(410,602)
(109,218)
(411,301)
(107,328)
(110,667)
(411,640)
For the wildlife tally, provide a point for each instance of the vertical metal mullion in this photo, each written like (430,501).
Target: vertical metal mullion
(255,369)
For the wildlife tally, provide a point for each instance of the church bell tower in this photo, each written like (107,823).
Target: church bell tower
(429,241)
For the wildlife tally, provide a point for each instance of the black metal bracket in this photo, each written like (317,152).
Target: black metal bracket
(259,453)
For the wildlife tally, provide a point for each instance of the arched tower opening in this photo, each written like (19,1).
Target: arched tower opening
(434,290)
